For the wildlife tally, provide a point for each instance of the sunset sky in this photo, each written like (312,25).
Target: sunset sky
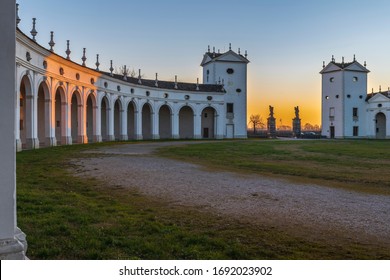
(286,41)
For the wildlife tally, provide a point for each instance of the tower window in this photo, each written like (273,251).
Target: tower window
(331,80)
(230,71)
(354,112)
(355,79)
(229,108)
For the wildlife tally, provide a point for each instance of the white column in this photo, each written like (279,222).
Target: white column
(138,127)
(81,127)
(17,111)
(10,246)
(155,126)
(175,125)
(32,141)
(66,120)
(198,125)
(50,122)
(97,131)
(110,129)
(123,128)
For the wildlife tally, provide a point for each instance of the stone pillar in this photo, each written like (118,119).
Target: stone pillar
(82,137)
(175,125)
(271,126)
(110,128)
(138,126)
(123,128)
(155,126)
(10,246)
(296,127)
(97,124)
(66,124)
(198,126)
(50,129)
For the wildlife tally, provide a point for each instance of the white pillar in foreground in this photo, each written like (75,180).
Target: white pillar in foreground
(10,246)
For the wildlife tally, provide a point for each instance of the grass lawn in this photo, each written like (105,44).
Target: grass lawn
(68,217)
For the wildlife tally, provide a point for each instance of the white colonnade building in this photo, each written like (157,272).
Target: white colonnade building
(60,102)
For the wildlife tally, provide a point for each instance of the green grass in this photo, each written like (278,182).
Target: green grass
(69,217)
(355,165)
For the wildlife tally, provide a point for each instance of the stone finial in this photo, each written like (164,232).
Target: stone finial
(124,73)
(213,51)
(246,54)
(380,88)
(365,64)
(354,58)
(111,68)
(323,64)
(97,62)
(176,82)
(230,46)
(17,15)
(33,30)
(333,58)
(51,43)
(84,58)
(197,83)
(156,82)
(208,49)
(139,76)
(67,50)
(239,51)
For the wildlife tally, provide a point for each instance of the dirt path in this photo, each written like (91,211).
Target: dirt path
(309,210)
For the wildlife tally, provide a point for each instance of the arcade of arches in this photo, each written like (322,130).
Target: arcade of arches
(63,116)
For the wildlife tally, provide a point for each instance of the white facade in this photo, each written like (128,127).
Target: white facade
(62,102)
(347,110)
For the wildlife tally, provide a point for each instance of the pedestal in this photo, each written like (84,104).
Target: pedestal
(271,126)
(296,127)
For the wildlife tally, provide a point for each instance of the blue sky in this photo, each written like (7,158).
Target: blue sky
(286,41)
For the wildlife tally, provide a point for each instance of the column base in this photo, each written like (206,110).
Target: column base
(66,140)
(176,136)
(139,137)
(97,139)
(197,136)
(123,138)
(50,141)
(11,249)
(82,139)
(18,145)
(32,143)
(156,136)
(110,138)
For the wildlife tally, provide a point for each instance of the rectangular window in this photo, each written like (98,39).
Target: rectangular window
(331,112)
(229,108)
(355,112)
(355,131)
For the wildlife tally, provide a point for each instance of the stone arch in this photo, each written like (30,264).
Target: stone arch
(104,115)
(208,122)
(26,113)
(90,116)
(186,122)
(117,118)
(147,121)
(131,120)
(76,111)
(165,122)
(43,114)
(380,121)
(60,115)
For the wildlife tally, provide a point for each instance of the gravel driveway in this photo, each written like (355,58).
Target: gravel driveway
(309,210)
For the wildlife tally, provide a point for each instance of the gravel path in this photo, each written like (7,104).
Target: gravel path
(310,210)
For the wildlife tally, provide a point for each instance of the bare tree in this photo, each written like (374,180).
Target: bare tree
(256,121)
(123,70)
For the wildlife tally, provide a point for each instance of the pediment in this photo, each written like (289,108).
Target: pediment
(331,67)
(231,57)
(206,59)
(379,97)
(356,66)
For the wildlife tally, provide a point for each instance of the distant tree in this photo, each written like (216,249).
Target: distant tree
(124,70)
(256,121)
